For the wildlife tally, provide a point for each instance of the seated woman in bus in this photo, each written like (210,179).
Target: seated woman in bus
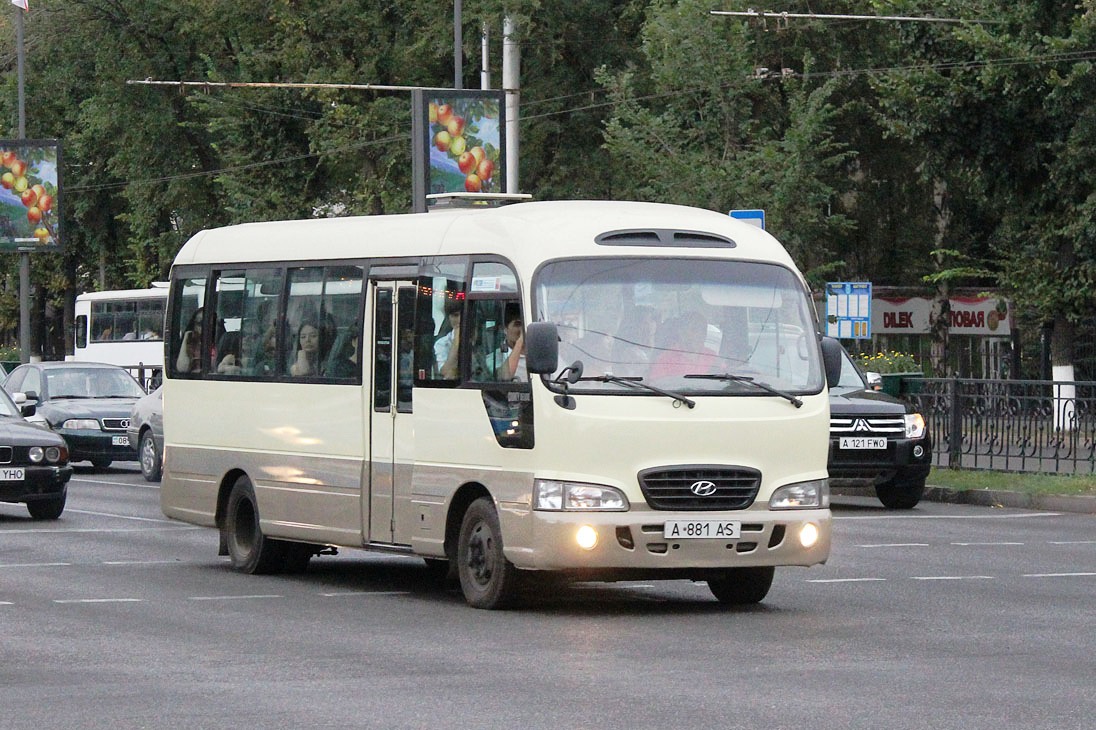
(228,353)
(310,351)
(446,354)
(190,351)
(681,349)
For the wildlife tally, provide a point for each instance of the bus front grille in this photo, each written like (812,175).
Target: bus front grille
(699,488)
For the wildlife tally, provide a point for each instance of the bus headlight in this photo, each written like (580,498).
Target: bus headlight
(802,495)
(81,424)
(550,495)
(915,426)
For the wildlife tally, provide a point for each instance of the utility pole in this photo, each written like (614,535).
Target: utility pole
(458,41)
(25,346)
(511,65)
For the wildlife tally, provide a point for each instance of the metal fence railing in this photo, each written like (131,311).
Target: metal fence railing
(1009,425)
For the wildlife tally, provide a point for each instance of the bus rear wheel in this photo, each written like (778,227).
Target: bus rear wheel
(249,550)
(742,586)
(487,578)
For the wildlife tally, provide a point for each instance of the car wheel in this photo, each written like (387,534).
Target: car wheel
(149,457)
(249,550)
(101,463)
(741,586)
(46,509)
(487,578)
(899,494)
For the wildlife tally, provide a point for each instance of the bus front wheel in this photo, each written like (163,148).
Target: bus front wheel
(249,550)
(487,578)
(741,586)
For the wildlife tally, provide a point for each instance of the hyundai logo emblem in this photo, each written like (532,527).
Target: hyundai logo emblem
(702,488)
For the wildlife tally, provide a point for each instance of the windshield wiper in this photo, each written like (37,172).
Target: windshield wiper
(798,403)
(637,382)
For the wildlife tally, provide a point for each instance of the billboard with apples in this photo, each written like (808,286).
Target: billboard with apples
(463,135)
(30,186)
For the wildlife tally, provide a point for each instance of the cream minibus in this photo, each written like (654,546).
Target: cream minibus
(577,389)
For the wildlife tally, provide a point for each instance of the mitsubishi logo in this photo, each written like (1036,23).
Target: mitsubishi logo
(861,425)
(702,488)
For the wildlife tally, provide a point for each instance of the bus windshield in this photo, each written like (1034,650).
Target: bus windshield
(698,326)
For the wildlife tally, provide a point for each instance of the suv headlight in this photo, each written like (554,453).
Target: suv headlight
(550,495)
(915,426)
(81,424)
(802,495)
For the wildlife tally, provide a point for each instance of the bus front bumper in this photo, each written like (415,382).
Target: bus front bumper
(633,543)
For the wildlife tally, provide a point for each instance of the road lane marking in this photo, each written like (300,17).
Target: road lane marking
(114,484)
(1020,516)
(1057,575)
(142,562)
(365,593)
(845,580)
(34,565)
(985,544)
(951,577)
(232,598)
(99,600)
(55,530)
(124,517)
(1071,542)
(894,544)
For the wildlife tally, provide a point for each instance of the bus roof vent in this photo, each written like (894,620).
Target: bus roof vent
(437,201)
(663,237)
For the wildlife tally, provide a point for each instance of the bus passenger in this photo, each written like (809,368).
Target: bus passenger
(683,351)
(446,348)
(190,351)
(310,348)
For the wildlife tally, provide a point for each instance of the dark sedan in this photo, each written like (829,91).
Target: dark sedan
(34,467)
(87,403)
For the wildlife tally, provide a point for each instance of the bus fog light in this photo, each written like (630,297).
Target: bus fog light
(586,537)
(808,535)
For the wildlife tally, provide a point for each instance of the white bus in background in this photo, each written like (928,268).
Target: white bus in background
(351,383)
(123,327)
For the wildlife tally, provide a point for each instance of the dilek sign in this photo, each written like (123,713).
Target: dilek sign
(30,186)
(985,316)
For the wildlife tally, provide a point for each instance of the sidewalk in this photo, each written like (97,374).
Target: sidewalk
(1020,500)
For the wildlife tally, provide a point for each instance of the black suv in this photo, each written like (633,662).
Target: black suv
(877,439)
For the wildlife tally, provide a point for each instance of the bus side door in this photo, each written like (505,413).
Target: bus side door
(391,432)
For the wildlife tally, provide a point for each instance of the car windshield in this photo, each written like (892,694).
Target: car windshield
(851,379)
(7,407)
(664,322)
(91,383)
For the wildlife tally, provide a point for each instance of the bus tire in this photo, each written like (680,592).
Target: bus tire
(742,586)
(249,550)
(487,579)
(47,509)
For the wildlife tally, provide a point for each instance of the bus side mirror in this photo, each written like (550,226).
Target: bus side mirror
(541,348)
(831,360)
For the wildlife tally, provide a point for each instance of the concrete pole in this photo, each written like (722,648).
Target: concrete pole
(458,41)
(25,346)
(511,66)
(485,69)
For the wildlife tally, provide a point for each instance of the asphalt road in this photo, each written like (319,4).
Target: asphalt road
(949,616)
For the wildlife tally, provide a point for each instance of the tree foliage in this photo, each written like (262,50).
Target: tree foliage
(871,145)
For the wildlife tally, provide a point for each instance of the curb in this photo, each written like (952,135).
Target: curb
(992,498)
